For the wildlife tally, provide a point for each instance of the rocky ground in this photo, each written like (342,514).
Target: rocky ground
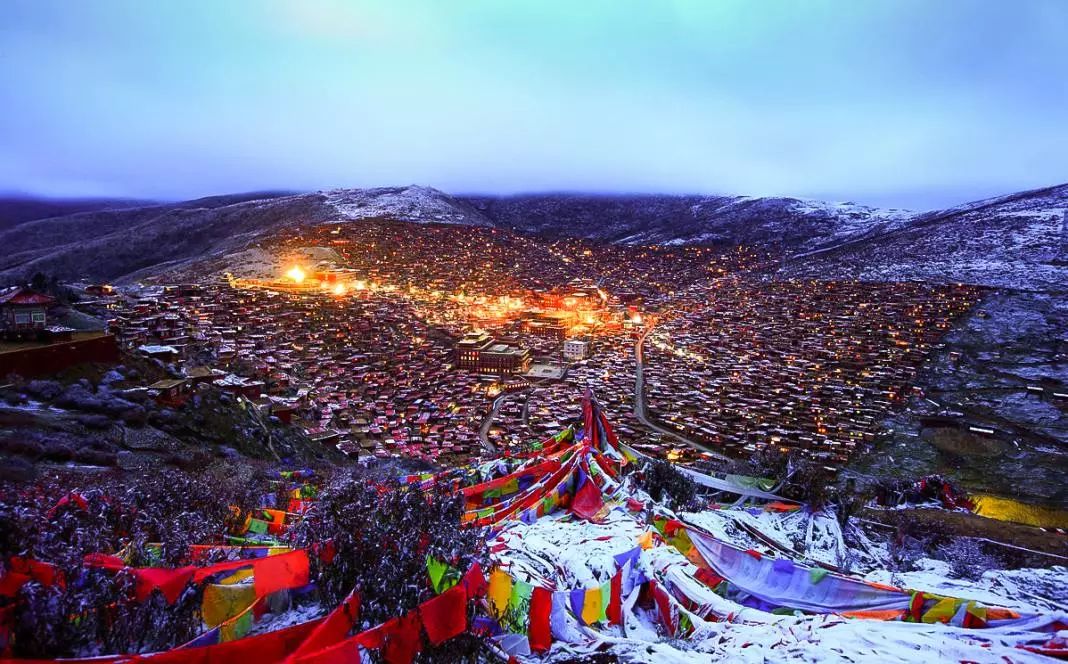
(981,377)
(96,417)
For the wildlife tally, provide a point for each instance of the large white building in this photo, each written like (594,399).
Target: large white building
(576,349)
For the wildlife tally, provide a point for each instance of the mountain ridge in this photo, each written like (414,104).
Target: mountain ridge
(841,240)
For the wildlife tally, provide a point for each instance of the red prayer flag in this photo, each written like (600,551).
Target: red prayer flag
(11,582)
(170,582)
(266,647)
(663,605)
(72,497)
(286,570)
(113,563)
(587,501)
(708,577)
(345,652)
(333,629)
(327,551)
(539,632)
(445,616)
(474,581)
(615,600)
(403,640)
(373,638)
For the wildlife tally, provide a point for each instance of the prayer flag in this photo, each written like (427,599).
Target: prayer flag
(500,591)
(539,630)
(445,616)
(576,598)
(591,606)
(615,601)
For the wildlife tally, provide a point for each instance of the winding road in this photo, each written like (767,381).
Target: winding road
(483,431)
(639,399)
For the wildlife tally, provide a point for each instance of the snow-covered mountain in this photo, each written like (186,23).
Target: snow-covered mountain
(412,203)
(676,220)
(1016,241)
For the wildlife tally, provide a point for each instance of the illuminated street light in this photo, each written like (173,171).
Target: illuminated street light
(296,274)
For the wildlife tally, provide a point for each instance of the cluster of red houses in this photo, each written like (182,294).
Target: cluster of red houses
(361,373)
(810,365)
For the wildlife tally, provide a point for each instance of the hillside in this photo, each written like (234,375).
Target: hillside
(108,245)
(1013,241)
(652,219)
(412,203)
(113,244)
(15,210)
(1016,241)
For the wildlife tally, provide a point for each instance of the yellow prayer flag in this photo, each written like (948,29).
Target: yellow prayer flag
(591,606)
(942,611)
(223,602)
(499,592)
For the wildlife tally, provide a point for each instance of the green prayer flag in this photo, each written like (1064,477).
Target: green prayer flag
(442,576)
(606,597)
(436,569)
(517,614)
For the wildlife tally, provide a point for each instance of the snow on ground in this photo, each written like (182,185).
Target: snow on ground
(257,263)
(567,553)
(413,203)
(815,639)
(32,406)
(852,220)
(1046,586)
(562,553)
(934,576)
(815,536)
(286,616)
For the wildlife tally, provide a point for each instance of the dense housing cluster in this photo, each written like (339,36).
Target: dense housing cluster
(493,262)
(811,365)
(439,342)
(361,373)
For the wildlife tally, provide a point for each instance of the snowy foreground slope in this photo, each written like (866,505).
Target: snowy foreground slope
(569,553)
(584,562)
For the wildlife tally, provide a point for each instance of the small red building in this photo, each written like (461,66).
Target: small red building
(23,310)
(24,314)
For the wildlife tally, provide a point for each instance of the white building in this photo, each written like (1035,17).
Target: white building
(576,349)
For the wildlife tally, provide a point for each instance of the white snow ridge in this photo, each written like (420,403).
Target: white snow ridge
(412,203)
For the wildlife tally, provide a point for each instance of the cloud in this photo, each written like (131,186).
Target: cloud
(848,100)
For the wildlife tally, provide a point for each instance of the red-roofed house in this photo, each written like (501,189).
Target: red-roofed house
(22,309)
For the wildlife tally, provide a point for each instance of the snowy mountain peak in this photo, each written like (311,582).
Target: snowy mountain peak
(414,203)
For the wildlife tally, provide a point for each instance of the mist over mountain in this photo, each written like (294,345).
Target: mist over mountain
(16,209)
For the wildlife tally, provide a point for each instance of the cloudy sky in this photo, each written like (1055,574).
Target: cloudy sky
(911,103)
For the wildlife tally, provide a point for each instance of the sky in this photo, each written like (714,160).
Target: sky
(907,103)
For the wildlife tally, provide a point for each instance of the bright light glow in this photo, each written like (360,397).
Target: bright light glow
(296,274)
(340,289)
